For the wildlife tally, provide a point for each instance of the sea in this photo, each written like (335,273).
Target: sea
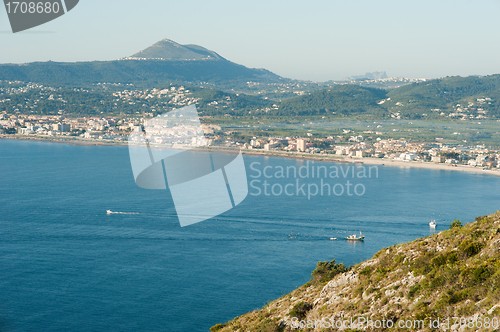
(67,265)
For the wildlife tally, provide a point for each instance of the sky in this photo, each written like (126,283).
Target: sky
(319,40)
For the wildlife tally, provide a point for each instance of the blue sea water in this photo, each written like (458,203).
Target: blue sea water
(65,265)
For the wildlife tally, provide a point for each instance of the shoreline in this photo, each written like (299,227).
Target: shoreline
(313,157)
(380,162)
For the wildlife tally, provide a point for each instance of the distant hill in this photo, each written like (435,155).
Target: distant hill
(167,49)
(341,100)
(456,94)
(376,75)
(181,64)
(464,98)
(447,98)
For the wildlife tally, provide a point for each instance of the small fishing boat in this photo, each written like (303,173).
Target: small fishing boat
(353,237)
(432,224)
(109,211)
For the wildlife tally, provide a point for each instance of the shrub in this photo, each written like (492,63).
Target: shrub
(433,281)
(478,234)
(366,271)
(456,224)
(300,310)
(398,259)
(268,325)
(476,276)
(359,290)
(326,270)
(422,265)
(452,257)
(470,248)
(482,219)
(216,327)
(413,290)
(438,260)
(452,297)
(480,274)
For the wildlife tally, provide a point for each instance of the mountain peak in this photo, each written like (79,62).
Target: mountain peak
(167,49)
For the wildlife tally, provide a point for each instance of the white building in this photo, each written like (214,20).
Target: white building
(301,144)
(408,156)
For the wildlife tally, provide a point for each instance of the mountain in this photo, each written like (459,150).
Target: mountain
(163,62)
(454,273)
(167,49)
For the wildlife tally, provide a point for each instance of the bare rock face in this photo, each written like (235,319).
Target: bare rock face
(493,249)
(344,279)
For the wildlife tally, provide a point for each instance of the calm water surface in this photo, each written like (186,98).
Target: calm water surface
(65,265)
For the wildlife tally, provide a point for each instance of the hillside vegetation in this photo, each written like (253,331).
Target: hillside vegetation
(454,273)
(149,73)
(451,98)
(444,95)
(340,99)
(433,99)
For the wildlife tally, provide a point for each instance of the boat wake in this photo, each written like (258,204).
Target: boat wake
(112,212)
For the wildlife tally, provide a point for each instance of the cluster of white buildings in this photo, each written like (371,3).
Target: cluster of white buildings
(390,149)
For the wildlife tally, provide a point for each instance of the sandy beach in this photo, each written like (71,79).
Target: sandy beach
(294,155)
(377,161)
(429,165)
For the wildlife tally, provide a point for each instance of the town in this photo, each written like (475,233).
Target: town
(108,113)
(350,146)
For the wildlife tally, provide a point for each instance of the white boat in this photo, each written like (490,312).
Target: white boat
(109,211)
(333,238)
(353,237)
(432,224)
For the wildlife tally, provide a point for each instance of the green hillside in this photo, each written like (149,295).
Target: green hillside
(148,73)
(340,100)
(444,95)
(448,98)
(45,100)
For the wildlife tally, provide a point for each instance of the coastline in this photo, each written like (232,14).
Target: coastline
(378,161)
(300,156)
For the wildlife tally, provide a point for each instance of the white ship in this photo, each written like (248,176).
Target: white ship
(353,237)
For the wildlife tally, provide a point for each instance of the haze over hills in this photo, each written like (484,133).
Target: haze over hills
(167,49)
(376,75)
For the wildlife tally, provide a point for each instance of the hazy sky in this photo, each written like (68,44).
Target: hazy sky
(318,40)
